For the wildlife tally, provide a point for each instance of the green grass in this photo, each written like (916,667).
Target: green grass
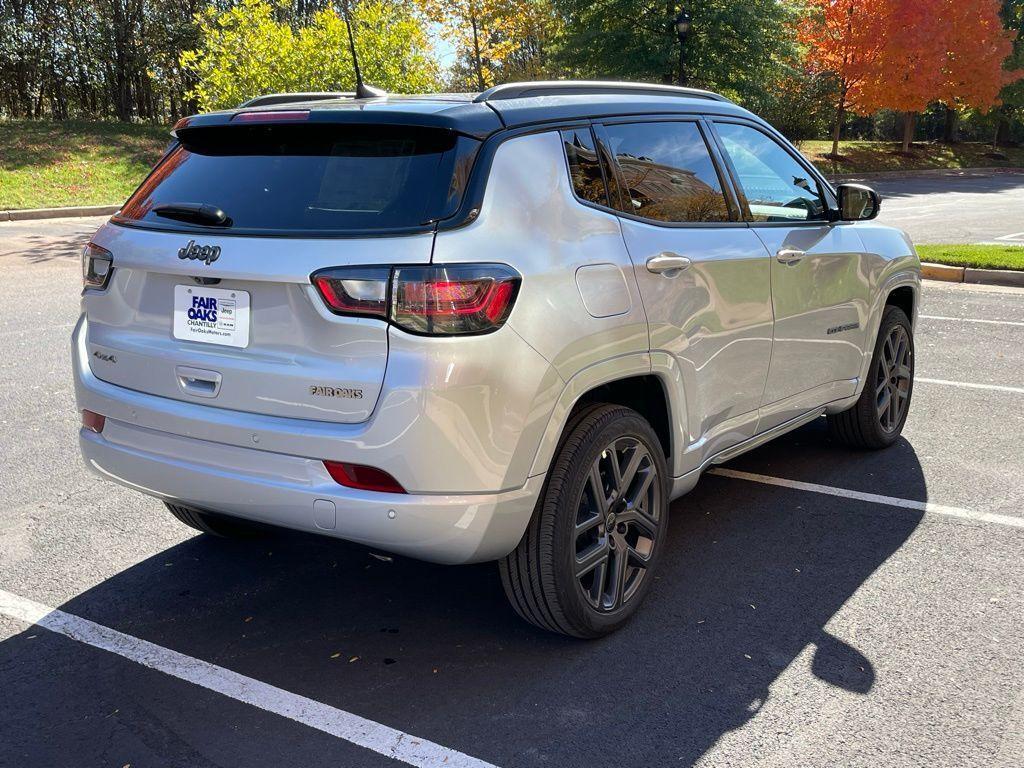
(865,156)
(44,164)
(977,256)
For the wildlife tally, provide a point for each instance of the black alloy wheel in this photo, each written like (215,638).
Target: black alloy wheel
(877,418)
(617,522)
(893,378)
(588,556)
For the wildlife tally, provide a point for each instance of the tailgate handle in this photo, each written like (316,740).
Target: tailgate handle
(198,382)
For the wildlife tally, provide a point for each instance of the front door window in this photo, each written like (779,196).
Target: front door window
(776,186)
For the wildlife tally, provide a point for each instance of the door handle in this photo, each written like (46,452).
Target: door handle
(667,263)
(789,255)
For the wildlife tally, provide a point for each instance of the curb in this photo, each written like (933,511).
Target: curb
(27,214)
(942,272)
(994,277)
(1010,277)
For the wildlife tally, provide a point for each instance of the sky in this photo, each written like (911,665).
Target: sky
(443,49)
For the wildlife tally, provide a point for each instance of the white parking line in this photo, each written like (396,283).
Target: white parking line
(970,320)
(336,722)
(874,498)
(970,385)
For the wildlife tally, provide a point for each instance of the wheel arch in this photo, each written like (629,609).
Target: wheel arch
(648,383)
(901,288)
(904,297)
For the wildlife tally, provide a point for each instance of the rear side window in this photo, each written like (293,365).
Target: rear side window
(777,187)
(667,172)
(585,166)
(314,179)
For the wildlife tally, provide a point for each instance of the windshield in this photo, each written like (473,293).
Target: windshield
(306,178)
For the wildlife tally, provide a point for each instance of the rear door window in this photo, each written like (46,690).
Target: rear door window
(585,166)
(314,179)
(667,172)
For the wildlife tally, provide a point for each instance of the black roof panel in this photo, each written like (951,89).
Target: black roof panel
(539,109)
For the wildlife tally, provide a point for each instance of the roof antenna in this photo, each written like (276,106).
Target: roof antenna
(363,91)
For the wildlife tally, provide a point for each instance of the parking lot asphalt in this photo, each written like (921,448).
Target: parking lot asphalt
(788,627)
(955,207)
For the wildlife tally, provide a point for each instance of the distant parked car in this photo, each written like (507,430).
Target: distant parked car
(510,326)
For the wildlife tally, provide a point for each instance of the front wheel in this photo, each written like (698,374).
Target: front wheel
(877,418)
(588,556)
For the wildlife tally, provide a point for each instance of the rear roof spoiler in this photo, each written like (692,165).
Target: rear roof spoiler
(290,98)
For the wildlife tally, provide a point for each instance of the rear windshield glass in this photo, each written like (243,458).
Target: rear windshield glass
(307,178)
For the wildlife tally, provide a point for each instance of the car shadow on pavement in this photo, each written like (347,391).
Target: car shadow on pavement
(751,576)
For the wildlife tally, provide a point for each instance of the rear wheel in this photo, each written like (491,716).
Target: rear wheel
(588,556)
(877,418)
(214,524)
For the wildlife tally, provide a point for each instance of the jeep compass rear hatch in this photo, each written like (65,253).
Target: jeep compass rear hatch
(209,298)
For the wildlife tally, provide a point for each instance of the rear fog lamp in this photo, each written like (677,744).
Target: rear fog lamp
(362,477)
(93,421)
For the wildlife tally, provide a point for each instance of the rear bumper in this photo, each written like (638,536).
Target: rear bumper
(450,418)
(296,492)
(270,469)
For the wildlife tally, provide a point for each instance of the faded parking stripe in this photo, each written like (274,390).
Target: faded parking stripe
(971,320)
(874,498)
(970,385)
(336,722)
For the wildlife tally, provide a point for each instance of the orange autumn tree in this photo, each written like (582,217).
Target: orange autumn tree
(977,46)
(905,54)
(907,73)
(843,38)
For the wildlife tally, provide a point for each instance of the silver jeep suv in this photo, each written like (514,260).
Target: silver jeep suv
(509,326)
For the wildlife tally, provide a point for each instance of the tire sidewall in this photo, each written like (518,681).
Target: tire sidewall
(892,317)
(562,506)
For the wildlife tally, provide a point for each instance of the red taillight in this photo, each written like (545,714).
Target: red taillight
(280,116)
(94,422)
(355,291)
(433,300)
(362,477)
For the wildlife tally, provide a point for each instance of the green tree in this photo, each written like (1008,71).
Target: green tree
(246,51)
(734,46)
(1012,95)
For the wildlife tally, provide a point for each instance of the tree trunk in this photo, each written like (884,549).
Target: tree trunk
(478,64)
(908,130)
(1000,128)
(669,76)
(949,130)
(840,114)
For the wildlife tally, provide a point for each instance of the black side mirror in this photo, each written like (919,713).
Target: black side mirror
(857,202)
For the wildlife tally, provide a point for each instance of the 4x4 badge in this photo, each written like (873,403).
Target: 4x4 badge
(205,253)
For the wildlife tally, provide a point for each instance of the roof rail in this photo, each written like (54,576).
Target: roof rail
(593,87)
(288,98)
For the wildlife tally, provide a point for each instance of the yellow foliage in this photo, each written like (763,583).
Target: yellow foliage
(500,40)
(246,52)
